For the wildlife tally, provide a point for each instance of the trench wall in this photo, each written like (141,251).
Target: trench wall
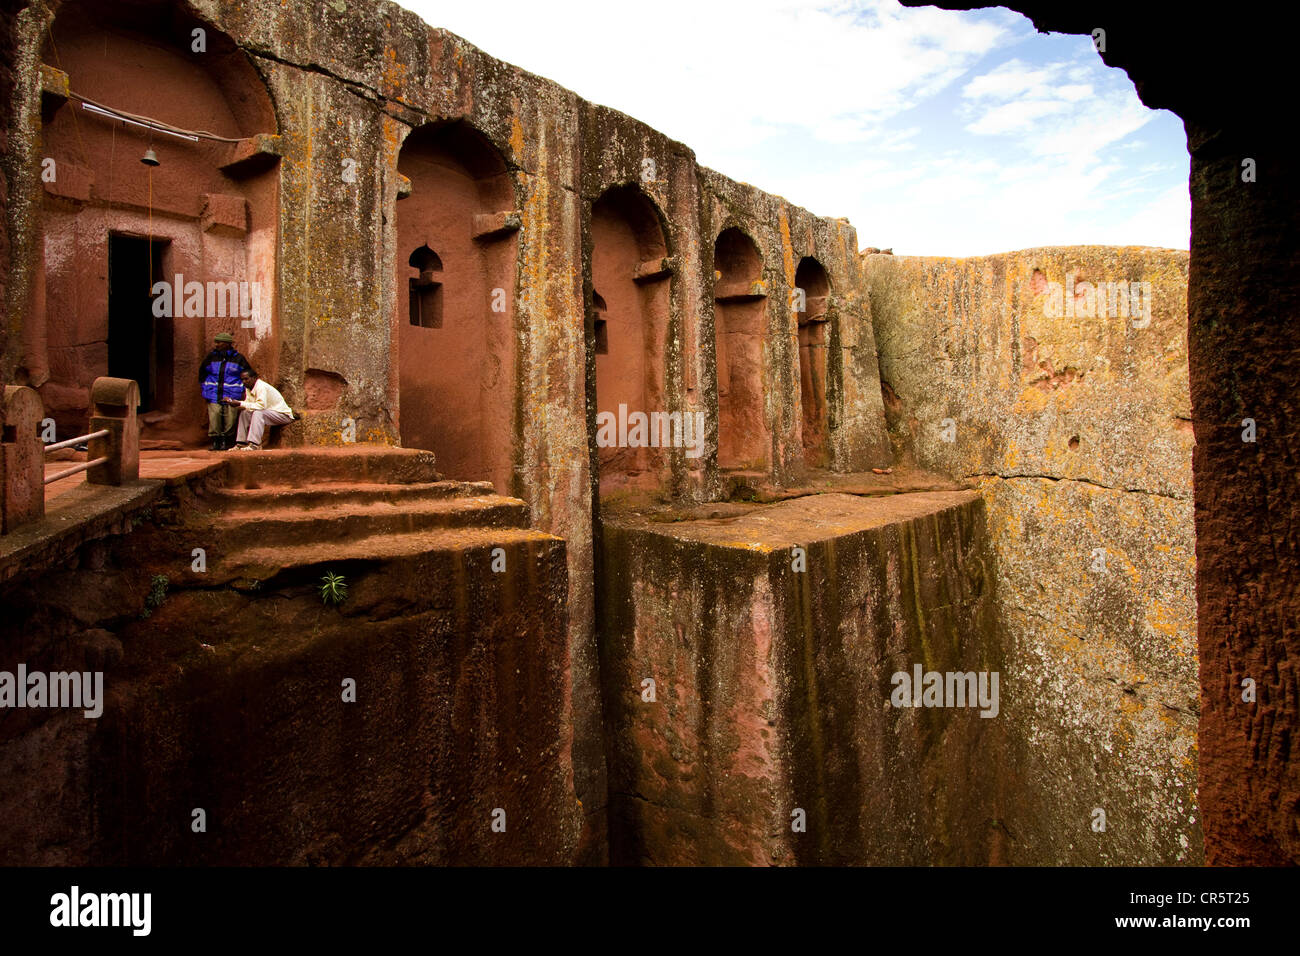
(1243,353)
(1075,424)
(233,700)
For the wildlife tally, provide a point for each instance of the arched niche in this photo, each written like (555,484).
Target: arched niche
(813,293)
(424,289)
(739,321)
(115,229)
(629,268)
(455,290)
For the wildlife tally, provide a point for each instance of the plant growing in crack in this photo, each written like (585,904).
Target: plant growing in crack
(333,588)
(158,585)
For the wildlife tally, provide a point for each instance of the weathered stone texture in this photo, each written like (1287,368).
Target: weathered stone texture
(1076,430)
(1244,294)
(1245,363)
(773,685)
(8,55)
(226,687)
(345,85)
(1086,397)
(785,234)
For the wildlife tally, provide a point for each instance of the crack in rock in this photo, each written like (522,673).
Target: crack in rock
(1085,481)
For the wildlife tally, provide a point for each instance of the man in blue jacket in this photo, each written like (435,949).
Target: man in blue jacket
(220,377)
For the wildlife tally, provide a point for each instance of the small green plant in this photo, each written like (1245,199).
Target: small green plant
(333,588)
(158,585)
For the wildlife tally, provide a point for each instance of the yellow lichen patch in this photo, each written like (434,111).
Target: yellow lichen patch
(1032,401)
(516,132)
(787,247)
(393,72)
(1169,621)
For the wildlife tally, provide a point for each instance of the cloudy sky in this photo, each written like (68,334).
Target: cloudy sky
(935,133)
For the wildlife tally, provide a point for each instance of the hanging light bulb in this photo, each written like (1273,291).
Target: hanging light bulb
(150,158)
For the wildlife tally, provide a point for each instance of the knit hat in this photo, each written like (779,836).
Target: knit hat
(223,337)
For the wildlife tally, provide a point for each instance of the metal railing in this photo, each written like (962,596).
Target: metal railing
(112,443)
(81,466)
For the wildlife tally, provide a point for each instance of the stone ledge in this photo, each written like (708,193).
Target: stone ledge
(73,518)
(773,674)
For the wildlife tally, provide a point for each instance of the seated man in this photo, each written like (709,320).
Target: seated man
(261,406)
(220,378)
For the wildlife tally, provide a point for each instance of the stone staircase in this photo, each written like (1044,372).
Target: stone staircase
(281,511)
(379,729)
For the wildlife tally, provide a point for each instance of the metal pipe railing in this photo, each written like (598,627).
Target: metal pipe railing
(82,466)
(69,442)
(113,442)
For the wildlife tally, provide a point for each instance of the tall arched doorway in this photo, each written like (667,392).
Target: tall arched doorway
(455,276)
(154,176)
(814,293)
(739,320)
(631,284)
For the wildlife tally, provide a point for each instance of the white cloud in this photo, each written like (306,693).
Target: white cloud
(692,68)
(1051,114)
(1013,78)
(1075,91)
(1015,117)
(1165,221)
(935,132)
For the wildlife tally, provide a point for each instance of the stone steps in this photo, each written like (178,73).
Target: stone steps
(275,526)
(249,567)
(306,467)
(237,500)
(283,511)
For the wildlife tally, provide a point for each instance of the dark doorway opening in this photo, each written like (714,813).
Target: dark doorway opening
(140,344)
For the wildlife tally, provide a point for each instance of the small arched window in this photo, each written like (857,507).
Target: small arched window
(602,328)
(425,302)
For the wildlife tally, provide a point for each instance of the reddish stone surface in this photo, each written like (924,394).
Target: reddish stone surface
(225,689)
(228,213)
(323,389)
(632,326)
(772,685)
(8,51)
(201,221)
(456,361)
(22,458)
(334,106)
(329,254)
(113,408)
(814,285)
(1244,348)
(740,326)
